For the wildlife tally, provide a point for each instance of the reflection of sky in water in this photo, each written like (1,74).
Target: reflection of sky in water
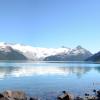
(49,77)
(30,69)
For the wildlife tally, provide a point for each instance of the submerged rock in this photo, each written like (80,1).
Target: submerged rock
(2,97)
(65,96)
(20,95)
(78,98)
(14,95)
(31,98)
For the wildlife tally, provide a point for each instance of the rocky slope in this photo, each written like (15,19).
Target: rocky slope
(8,53)
(77,54)
(95,57)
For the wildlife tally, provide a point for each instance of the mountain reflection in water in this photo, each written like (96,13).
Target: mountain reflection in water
(10,71)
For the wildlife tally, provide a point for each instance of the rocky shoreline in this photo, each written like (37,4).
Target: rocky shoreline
(20,95)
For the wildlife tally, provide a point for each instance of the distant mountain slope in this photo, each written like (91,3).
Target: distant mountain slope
(95,57)
(77,54)
(35,53)
(7,53)
(25,52)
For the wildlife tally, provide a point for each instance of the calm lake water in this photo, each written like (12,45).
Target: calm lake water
(47,79)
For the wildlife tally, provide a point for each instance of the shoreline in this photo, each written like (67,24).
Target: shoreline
(21,95)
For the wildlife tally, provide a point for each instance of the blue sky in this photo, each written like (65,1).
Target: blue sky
(51,23)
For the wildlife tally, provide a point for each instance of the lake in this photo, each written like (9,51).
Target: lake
(48,79)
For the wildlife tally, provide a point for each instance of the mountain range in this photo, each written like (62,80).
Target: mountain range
(10,51)
(94,58)
(76,54)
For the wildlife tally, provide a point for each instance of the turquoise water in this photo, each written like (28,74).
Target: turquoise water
(47,79)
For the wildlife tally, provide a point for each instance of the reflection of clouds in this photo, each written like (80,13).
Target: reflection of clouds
(31,71)
(5,71)
(2,75)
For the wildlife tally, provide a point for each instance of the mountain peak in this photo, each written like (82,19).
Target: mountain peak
(79,47)
(34,53)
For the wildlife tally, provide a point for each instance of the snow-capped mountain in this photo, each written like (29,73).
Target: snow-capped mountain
(37,53)
(8,53)
(34,53)
(76,54)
